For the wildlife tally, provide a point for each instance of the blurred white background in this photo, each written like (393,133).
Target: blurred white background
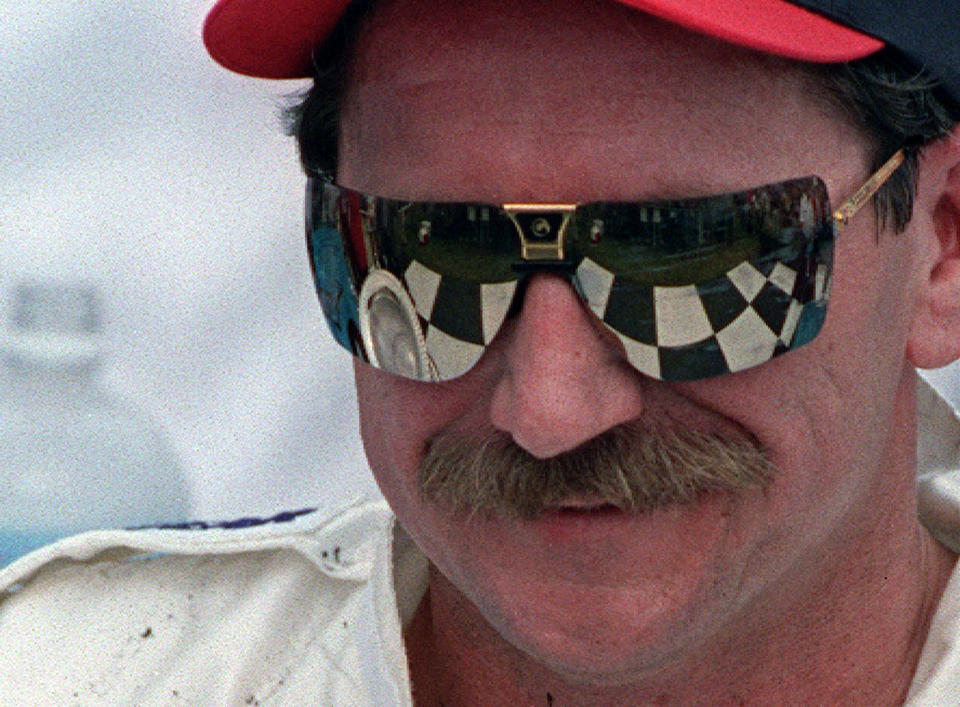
(131,161)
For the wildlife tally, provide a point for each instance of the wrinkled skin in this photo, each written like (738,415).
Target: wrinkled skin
(757,595)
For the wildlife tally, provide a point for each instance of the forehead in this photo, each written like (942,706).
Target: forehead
(567,100)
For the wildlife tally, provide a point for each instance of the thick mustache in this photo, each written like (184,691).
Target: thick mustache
(632,467)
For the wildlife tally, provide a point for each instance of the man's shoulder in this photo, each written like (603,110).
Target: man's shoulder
(338,541)
(207,613)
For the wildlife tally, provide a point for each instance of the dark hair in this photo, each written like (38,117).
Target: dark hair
(312,117)
(896,105)
(888,98)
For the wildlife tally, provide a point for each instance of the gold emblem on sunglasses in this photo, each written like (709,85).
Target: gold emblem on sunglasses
(542,228)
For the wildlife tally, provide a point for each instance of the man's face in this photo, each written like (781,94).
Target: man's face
(575,101)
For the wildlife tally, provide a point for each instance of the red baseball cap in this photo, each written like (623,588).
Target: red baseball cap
(272,39)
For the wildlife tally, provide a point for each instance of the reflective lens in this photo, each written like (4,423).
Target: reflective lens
(472,242)
(692,288)
(696,240)
(700,287)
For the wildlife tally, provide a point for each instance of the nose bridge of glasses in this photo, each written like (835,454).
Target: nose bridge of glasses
(542,229)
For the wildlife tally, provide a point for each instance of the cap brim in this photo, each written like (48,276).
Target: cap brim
(276,41)
(270,40)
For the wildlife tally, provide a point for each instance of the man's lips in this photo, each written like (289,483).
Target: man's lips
(581,506)
(581,521)
(577,503)
(581,511)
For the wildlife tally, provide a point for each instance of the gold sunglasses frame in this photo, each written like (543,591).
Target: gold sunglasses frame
(552,249)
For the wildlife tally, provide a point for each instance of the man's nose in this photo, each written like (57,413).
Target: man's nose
(565,379)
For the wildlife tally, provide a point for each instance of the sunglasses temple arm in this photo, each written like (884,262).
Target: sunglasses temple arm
(851,206)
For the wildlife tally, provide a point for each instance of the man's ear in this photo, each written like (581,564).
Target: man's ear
(935,334)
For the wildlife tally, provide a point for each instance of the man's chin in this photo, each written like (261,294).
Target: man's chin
(602,596)
(572,553)
(596,594)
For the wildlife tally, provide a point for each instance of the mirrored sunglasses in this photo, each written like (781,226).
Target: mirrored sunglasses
(692,288)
